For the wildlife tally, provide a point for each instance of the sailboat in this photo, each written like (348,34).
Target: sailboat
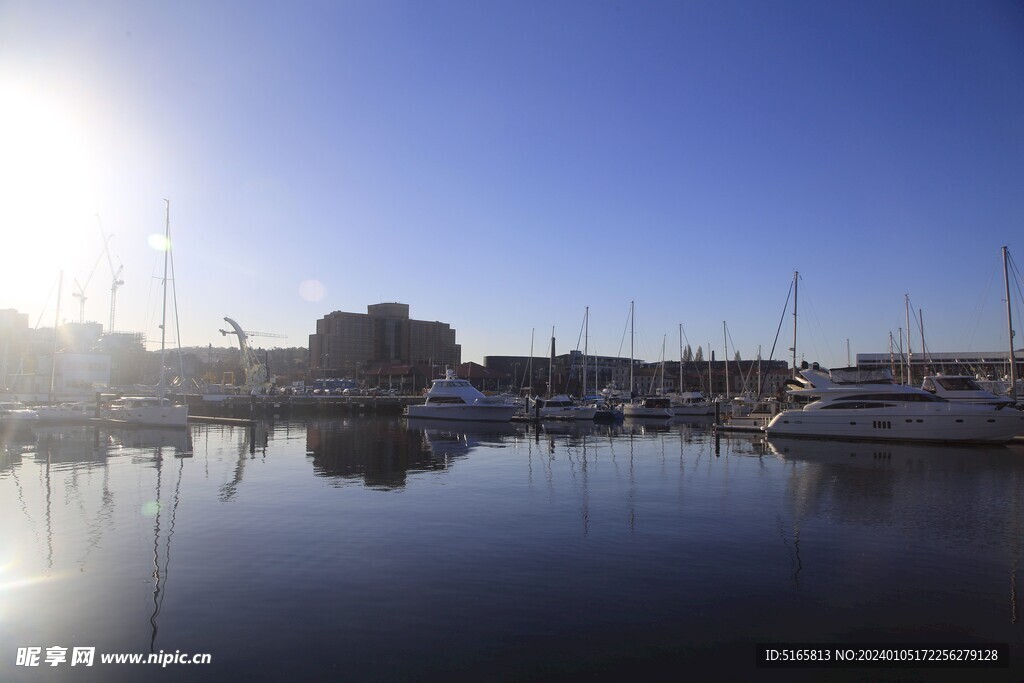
(659,406)
(154,411)
(688,402)
(559,406)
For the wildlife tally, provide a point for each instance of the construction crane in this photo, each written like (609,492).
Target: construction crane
(255,371)
(80,294)
(116,280)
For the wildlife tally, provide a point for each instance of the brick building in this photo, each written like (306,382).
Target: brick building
(350,344)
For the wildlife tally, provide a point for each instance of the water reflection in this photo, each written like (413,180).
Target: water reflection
(447,439)
(967,497)
(162,546)
(382,453)
(632,541)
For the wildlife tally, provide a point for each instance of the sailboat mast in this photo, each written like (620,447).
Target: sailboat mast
(679,389)
(759,371)
(56,322)
(910,354)
(662,365)
(551,362)
(631,326)
(796,285)
(163,314)
(924,346)
(892,359)
(1009,324)
(586,332)
(725,333)
(710,388)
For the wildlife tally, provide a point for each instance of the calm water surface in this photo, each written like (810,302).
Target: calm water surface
(374,549)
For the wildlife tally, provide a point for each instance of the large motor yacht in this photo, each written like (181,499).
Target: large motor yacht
(854,405)
(456,399)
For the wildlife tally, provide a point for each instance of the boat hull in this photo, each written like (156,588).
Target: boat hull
(693,410)
(153,416)
(573,413)
(943,423)
(640,411)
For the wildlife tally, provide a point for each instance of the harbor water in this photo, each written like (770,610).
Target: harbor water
(373,548)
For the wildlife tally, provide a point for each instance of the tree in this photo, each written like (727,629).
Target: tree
(700,355)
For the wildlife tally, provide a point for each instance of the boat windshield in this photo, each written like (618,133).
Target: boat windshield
(434,400)
(958,383)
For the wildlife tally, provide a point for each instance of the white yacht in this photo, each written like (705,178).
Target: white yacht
(755,419)
(854,406)
(561,407)
(691,403)
(650,406)
(13,412)
(66,412)
(456,399)
(148,411)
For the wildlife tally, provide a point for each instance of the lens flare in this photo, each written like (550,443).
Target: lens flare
(312,290)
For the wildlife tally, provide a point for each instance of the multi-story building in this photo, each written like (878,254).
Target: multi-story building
(348,344)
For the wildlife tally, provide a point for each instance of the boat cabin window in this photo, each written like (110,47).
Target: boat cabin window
(433,400)
(856,405)
(453,383)
(928,385)
(908,397)
(958,383)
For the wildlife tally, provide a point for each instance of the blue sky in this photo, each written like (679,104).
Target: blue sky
(501,166)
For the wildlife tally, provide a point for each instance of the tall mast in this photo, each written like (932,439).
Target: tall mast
(796,281)
(56,322)
(163,315)
(725,333)
(892,360)
(710,390)
(586,332)
(910,354)
(924,347)
(662,365)
(679,389)
(551,362)
(529,365)
(1009,324)
(759,371)
(631,326)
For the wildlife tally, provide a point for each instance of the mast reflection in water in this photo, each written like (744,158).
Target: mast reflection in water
(383,549)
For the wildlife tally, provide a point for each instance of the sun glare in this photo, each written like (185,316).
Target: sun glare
(47,183)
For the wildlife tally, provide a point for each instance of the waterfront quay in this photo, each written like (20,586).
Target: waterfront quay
(262,405)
